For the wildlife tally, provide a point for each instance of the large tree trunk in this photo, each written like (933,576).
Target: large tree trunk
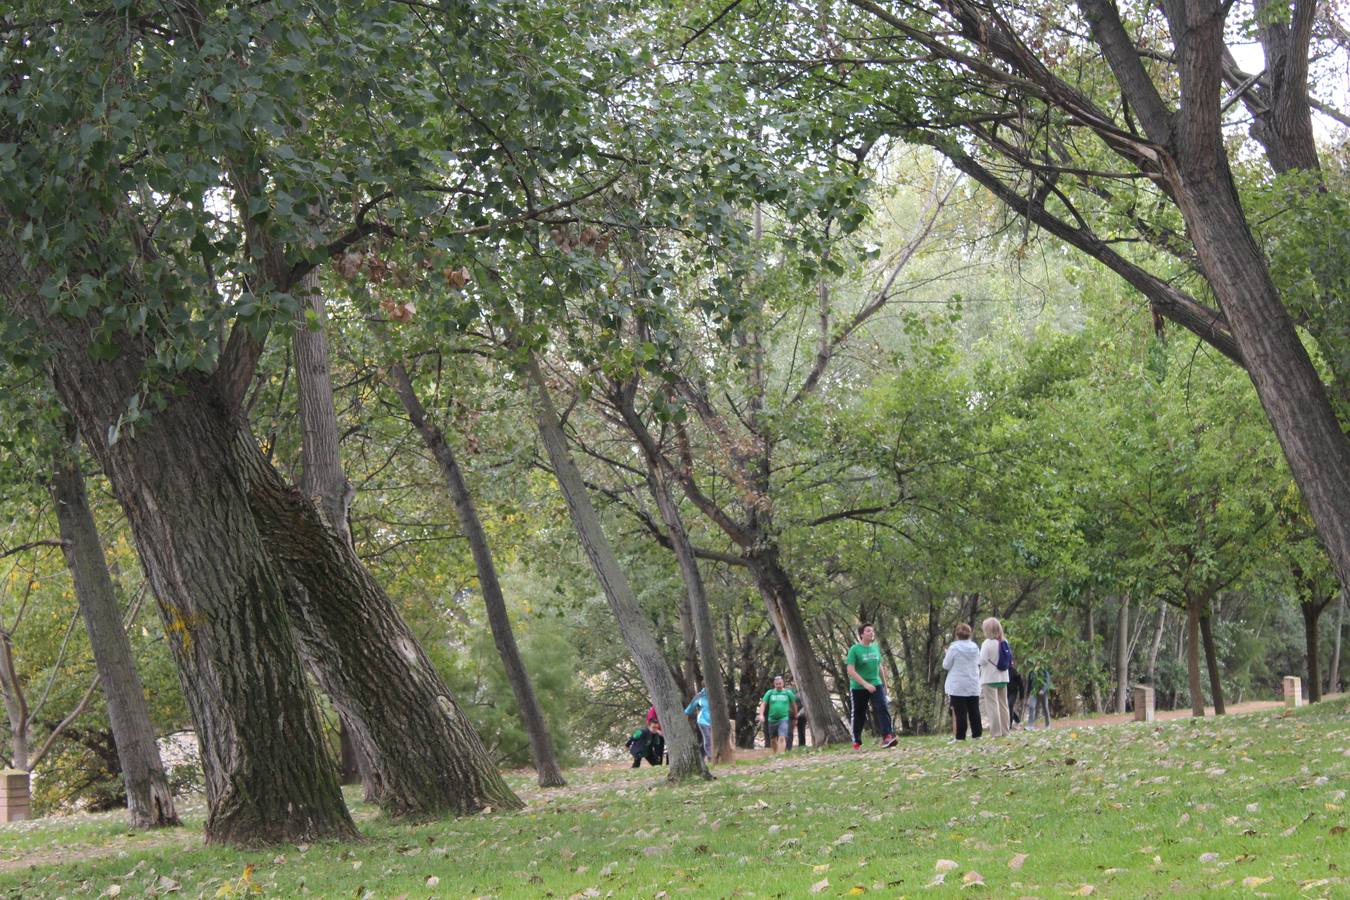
(685,747)
(1212,662)
(1334,669)
(780,598)
(322,478)
(1193,657)
(499,620)
(424,755)
(269,777)
(149,799)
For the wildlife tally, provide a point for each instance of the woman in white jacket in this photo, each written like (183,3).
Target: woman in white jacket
(993,680)
(963,682)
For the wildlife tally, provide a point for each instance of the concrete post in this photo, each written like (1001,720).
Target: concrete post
(1293,692)
(1143,703)
(13,795)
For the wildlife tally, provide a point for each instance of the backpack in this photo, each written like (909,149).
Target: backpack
(1004,657)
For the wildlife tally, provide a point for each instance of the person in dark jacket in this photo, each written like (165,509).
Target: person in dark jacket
(646,743)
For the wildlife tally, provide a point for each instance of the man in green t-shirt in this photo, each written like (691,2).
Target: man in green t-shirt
(866,688)
(779,709)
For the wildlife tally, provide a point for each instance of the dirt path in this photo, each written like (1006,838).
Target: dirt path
(1235,709)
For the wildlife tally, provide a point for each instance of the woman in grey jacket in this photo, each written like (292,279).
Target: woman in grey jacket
(963,682)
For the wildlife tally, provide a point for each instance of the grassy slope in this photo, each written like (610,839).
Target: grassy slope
(1131,811)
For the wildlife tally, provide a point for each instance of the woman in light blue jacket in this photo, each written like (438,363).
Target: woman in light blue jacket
(700,705)
(963,682)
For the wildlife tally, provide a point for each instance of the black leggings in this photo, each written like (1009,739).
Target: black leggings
(967,709)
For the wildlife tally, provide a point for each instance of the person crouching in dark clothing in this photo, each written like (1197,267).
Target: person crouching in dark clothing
(648,744)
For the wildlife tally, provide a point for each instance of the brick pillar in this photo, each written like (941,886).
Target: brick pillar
(1143,703)
(13,795)
(1293,692)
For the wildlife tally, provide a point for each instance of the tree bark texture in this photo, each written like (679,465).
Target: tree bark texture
(1193,657)
(149,798)
(684,746)
(322,478)
(424,756)
(531,715)
(1212,662)
(269,777)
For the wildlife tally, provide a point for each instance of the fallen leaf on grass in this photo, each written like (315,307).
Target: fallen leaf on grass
(820,885)
(432,881)
(856,890)
(1083,891)
(945,865)
(1253,881)
(845,838)
(1209,857)
(1016,862)
(972,878)
(823,867)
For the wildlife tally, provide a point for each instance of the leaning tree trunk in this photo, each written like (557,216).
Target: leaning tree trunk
(1191,161)
(1212,662)
(1288,385)
(780,598)
(149,798)
(269,778)
(698,614)
(686,749)
(322,478)
(1193,657)
(1312,614)
(424,755)
(531,715)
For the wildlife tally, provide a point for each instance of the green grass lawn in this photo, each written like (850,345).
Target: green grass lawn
(1249,805)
